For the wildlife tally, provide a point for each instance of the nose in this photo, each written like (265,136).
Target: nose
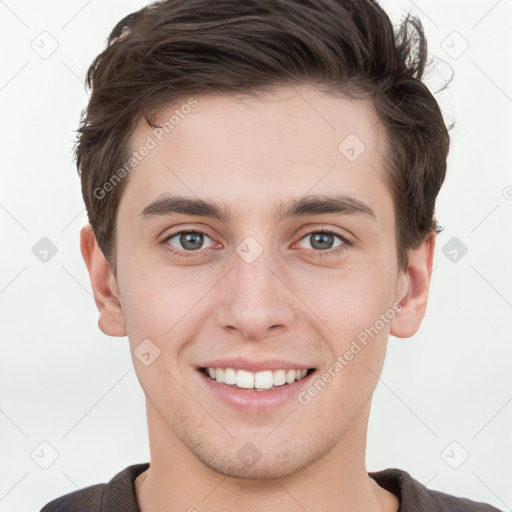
(254,300)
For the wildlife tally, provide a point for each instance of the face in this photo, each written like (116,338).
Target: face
(259,235)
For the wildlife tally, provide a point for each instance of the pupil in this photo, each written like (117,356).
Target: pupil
(191,240)
(321,241)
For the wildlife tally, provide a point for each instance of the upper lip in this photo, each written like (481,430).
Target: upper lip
(255,366)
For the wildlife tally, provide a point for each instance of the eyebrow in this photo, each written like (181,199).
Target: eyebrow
(308,205)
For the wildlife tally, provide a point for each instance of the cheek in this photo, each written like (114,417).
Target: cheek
(156,302)
(357,314)
(353,303)
(352,372)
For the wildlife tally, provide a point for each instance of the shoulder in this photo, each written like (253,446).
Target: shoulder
(118,494)
(415,497)
(85,500)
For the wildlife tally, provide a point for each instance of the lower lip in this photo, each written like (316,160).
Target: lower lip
(254,401)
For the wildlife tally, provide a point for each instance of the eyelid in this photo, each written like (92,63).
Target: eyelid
(334,251)
(347,237)
(325,232)
(184,252)
(186,229)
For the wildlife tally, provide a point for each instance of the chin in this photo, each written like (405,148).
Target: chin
(249,463)
(259,471)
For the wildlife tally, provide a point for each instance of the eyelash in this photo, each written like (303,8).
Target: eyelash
(328,252)
(318,253)
(183,253)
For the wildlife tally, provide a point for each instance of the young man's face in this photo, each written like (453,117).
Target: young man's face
(261,291)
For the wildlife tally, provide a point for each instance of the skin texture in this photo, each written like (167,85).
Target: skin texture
(293,302)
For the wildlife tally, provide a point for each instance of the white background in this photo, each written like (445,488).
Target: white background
(65,383)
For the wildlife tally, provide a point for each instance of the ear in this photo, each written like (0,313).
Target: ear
(111,320)
(412,290)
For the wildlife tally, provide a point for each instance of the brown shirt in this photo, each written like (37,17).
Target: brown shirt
(119,495)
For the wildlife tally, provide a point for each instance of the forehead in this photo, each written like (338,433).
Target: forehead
(254,152)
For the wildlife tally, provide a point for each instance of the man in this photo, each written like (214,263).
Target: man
(260,179)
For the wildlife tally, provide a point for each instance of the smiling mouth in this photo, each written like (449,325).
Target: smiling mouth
(255,381)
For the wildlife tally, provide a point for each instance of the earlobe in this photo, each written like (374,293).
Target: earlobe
(106,295)
(413,290)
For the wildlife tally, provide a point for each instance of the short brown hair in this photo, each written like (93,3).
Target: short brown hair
(172,49)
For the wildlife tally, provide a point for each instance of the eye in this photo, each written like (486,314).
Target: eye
(188,241)
(324,240)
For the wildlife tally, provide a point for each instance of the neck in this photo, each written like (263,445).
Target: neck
(178,481)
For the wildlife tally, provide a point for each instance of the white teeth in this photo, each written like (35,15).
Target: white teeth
(243,379)
(229,376)
(264,380)
(279,377)
(290,376)
(260,381)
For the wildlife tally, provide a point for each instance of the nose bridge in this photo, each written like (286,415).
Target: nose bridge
(254,299)
(253,280)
